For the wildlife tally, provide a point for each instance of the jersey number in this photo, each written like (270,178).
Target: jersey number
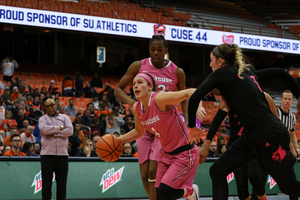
(161,88)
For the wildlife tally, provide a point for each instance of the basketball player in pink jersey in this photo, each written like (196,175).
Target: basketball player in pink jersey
(178,161)
(168,77)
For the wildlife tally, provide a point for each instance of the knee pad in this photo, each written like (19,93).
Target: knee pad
(165,192)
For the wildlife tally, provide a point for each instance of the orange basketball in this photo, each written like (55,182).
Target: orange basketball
(109,148)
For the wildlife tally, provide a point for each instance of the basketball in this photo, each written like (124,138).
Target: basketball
(109,148)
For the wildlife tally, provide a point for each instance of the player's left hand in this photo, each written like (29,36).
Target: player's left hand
(195,135)
(201,113)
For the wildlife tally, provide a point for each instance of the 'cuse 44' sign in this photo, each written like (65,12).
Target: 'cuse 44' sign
(110,178)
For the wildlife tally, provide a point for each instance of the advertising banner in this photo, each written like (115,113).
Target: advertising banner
(75,22)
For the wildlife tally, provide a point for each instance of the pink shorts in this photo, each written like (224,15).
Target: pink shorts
(148,148)
(178,171)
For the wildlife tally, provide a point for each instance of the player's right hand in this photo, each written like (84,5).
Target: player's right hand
(201,113)
(203,154)
(195,135)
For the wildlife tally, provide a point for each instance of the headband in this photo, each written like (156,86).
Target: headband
(146,77)
(218,53)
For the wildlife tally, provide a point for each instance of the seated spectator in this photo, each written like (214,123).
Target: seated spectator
(15,93)
(14,83)
(221,149)
(9,119)
(2,135)
(1,148)
(74,143)
(27,148)
(70,109)
(2,109)
(26,123)
(104,101)
(6,98)
(6,130)
(15,141)
(27,136)
(13,131)
(220,140)
(62,110)
(95,139)
(15,109)
(37,134)
(35,93)
(57,103)
(90,107)
(212,150)
(20,99)
(36,110)
(116,134)
(86,118)
(88,91)
(21,117)
(78,119)
(6,149)
(109,92)
(43,91)
(87,150)
(96,81)
(23,88)
(114,122)
(118,106)
(129,124)
(48,95)
(127,150)
(80,134)
(95,102)
(53,88)
(28,102)
(95,124)
(68,86)
(102,124)
(42,102)
(102,109)
(35,149)
(78,84)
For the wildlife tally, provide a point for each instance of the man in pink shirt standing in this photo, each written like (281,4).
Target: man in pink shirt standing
(55,129)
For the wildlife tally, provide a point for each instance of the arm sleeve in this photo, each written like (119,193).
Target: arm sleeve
(209,84)
(270,74)
(215,124)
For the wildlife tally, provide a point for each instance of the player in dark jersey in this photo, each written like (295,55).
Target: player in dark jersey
(266,138)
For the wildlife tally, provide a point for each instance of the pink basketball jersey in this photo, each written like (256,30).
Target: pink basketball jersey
(167,126)
(165,78)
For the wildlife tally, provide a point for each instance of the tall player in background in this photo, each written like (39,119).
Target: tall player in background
(168,77)
(178,161)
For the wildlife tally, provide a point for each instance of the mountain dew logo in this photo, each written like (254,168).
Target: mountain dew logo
(37,182)
(230,177)
(271,181)
(110,178)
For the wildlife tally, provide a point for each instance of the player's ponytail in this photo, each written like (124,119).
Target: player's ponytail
(239,59)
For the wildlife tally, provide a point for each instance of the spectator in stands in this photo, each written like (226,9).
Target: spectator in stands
(78,119)
(26,123)
(9,119)
(102,124)
(48,96)
(15,109)
(95,139)
(220,140)
(23,88)
(104,101)
(43,91)
(221,149)
(1,148)
(90,106)
(95,102)
(8,66)
(87,149)
(80,134)
(2,135)
(15,141)
(2,86)
(127,150)
(74,143)
(57,102)
(27,136)
(86,118)
(62,110)
(15,93)
(95,124)
(35,149)
(109,92)
(35,110)
(42,102)
(21,117)
(14,83)
(78,84)
(20,99)
(35,93)
(129,124)
(88,91)
(118,106)
(213,150)
(70,109)
(42,97)
(28,102)
(102,109)
(6,98)
(114,122)
(27,148)
(14,130)
(68,86)
(2,109)
(37,133)
(116,134)
(6,149)
(53,88)
(96,81)
(6,129)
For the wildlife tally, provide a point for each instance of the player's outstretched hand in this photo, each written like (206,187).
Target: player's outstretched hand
(203,154)
(195,135)
(201,113)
